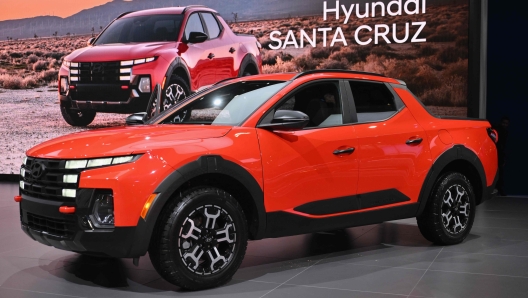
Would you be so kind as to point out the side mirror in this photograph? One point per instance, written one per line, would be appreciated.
(137, 119)
(90, 41)
(287, 120)
(197, 37)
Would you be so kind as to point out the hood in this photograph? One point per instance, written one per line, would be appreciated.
(119, 52)
(123, 140)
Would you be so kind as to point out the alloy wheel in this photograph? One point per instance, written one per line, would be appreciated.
(173, 94)
(207, 240)
(455, 209)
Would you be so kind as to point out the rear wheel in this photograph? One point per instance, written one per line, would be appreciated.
(200, 239)
(77, 117)
(450, 211)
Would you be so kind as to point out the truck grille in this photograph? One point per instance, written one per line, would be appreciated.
(45, 179)
(99, 72)
(52, 226)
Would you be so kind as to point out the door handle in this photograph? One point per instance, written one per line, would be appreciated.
(414, 141)
(211, 56)
(344, 151)
(232, 50)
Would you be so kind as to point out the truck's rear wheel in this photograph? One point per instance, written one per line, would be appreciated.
(77, 117)
(450, 211)
(200, 239)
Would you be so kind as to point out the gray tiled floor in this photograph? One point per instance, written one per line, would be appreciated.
(386, 260)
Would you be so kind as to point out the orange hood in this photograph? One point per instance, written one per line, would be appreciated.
(123, 140)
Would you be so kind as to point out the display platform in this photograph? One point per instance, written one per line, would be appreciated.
(391, 259)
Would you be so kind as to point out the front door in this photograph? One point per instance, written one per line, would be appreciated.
(224, 48)
(314, 171)
(199, 56)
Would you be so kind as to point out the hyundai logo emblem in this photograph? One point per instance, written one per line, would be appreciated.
(37, 170)
(97, 68)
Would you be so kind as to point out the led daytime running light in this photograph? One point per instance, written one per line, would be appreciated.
(137, 61)
(98, 162)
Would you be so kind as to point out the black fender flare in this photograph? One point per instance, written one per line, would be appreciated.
(177, 63)
(203, 165)
(457, 152)
(248, 60)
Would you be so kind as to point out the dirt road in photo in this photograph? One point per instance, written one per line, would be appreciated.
(30, 117)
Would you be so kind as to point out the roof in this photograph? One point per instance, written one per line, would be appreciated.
(329, 73)
(169, 10)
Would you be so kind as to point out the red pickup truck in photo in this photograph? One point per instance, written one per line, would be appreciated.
(181, 48)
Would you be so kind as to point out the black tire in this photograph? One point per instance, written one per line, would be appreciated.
(77, 117)
(193, 234)
(176, 90)
(248, 67)
(452, 194)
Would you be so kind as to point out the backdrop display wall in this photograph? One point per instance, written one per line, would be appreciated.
(432, 45)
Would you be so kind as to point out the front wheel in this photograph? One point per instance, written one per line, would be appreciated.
(177, 90)
(200, 239)
(450, 211)
(77, 117)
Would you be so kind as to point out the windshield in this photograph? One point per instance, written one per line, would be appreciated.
(148, 28)
(227, 105)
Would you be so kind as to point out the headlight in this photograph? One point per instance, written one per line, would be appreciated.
(103, 213)
(99, 162)
(66, 64)
(144, 84)
(64, 86)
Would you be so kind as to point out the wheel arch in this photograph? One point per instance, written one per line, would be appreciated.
(249, 61)
(456, 159)
(179, 68)
(217, 172)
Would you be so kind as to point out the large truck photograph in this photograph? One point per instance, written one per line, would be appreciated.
(183, 49)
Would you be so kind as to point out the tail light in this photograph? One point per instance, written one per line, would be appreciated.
(493, 134)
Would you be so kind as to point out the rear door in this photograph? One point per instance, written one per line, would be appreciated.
(392, 151)
(312, 171)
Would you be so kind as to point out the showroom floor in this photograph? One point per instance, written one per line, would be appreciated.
(385, 260)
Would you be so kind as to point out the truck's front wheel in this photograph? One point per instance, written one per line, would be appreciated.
(77, 117)
(200, 239)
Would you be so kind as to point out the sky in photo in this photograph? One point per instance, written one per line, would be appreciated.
(20, 9)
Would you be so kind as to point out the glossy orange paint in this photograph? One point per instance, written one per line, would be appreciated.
(471, 134)
(165, 148)
(386, 161)
(292, 168)
(300, 167)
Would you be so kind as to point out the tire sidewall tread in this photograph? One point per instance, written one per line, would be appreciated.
(430, 221)
(167, 261)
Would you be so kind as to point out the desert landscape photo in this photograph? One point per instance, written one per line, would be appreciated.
(435, 70)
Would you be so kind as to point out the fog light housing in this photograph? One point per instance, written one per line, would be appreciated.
(103, 214)
(144, 85)
(64, 85)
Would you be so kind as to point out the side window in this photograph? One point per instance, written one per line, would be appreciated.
(320, 101)
(212, 25)
(194, 24)
(374, 102)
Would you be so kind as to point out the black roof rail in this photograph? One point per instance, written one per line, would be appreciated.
(192, 6)
(304, 73)
(124, 14)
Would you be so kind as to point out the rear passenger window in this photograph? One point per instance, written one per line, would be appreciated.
(374, 102)
(212, 25)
